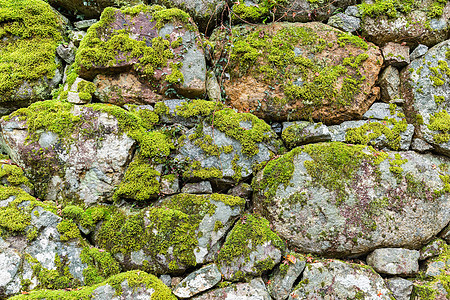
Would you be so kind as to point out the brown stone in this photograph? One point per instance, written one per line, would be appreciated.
(251, 91)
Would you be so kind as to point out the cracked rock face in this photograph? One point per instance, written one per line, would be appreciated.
(84, 163)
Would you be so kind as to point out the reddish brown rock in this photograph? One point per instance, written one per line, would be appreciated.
(294, 71)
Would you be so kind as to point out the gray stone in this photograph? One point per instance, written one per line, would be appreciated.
(73, 94)
(243, 190)
(202, 187)
(428, 93)
(432, 249)
(401, 288)
(302, 132)
(284, 277)
(434, 268)
(418, 52)
(258, 253)
(166, 279)
(395, 55)
(420, 145)
(389, 82)
(384, 111)
(87, 169)
(198, 281)
(414, 28)
(253, 290)
(353, 11)
(169, 185)
(388, 199)
(76, 36)
(398, 141)
(339, 280)
(345, 22)
(212, 87)
(394, 261)
(84, 24)
(67, 52)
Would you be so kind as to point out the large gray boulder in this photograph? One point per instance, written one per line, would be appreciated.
(252, 290)
(426, 87)
(69, 152)
(340, 280)
(337, 199)
(394, 261)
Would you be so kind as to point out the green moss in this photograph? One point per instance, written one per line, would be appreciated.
(294, 135)
(135, 279)
(389, 8)
(54, 116)
(395, 164)
(101, 265)
(95, 50)
(86, 218)
(272, 59)
(195, 170)
(250, 232)
(440, 122)
(254, 13)
(140, 182)
(68, 230)
(333, 166)
(438, 99)
(29, 35)
(14, 175)
(197, 108)
(370, 132)
(86, 89)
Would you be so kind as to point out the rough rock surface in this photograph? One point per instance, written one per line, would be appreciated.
(284, 277)
(81, 156)
(345, 22)
(433, 249)
(253, 290)
(201, 280)
(389, 82)
(335, 199)
(302, 132)
(395, 55)
(29, 34)
(176, 233)
(300, 71)
(291, 10)
(425, 86)
(401, 288)
(340, 280)
(167, 55)
(411, 27)
(250, 249)
(90, 9)
(394, 261)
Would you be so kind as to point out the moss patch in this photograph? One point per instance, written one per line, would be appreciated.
(101, 265)
(249, 230)
(29, 35)
(135, 279)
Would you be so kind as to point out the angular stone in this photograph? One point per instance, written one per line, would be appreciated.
(401, 288)
(302, 132)
(337, 199)
(389, 82)
(345, 22)
(380, 134)
(353, 11)
(425, 87)
(250, 249)
(415, 27)
(167, 56)
(432, 249)
(67, 52)
(84, 24)
(394, 261)
(202, 187)
(176, 233)
(384, 111)
(339, 280)
(395, 55)
(198, 281)
(169, 185)
(213, 88)
(418, 52)
(85, 162)
(420, 145)
(253, 290)
(257, 84)
(243, 190)
(283, 279)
